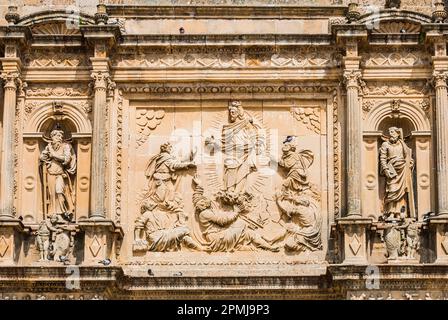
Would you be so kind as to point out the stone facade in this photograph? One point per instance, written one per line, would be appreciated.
(214, 148)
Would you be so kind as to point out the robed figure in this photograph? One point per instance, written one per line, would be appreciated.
(303, 221)
(58, 167)
(241, 143)
(162, 176)
(397, 165)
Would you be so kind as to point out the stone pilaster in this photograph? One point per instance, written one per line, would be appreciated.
(98, 170)
(11, 228)
(439, 222)
(441, 133)
(102, 237)
(354, 142)
(353, 226)
(11, 82)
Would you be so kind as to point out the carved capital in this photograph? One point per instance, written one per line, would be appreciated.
(353, 79)
(439, 79)
(11, 80)
(100, 80)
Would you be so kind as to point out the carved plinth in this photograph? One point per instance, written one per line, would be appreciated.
(102, 241)
(439, 230)
(11, 233)
(354, 239)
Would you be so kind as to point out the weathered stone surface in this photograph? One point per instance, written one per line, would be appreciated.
(189, 151)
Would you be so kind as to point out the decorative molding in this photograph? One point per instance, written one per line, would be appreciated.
(44, 59)
(395, 89)
(224, 58)
(119, 158)
(399, 57)
(212, 88)
(336, 154)
(57, 91)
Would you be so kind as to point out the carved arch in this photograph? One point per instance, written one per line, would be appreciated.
(407, 111)
(393, 21)
(70, 112)
(59, 18)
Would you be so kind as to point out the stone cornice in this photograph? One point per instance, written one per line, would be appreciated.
(225, 12)
(227, 40)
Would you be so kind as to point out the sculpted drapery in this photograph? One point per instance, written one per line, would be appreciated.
(58, 166)
(241, 143)
(396, 165)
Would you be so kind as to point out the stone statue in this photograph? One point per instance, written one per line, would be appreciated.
(412, 240)
(162, 224)
(241, 142)
(295, 200)
(224, 231)
(58, 168)
(396, 165)
(402, 239)
(55, 238)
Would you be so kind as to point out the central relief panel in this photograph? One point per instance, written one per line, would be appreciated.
(227, 180)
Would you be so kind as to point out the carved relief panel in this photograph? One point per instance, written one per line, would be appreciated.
(227, 176)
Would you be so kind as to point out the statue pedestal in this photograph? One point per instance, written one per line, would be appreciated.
(11, 234)
(354, 230)
(439, 233)
(102, 240)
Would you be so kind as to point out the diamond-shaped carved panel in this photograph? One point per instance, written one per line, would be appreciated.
(95, 246)
(3, 246)
(355, 244)
(445, 243)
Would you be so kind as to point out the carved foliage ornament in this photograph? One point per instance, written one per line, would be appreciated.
(58, 91)
(439, 79)
(399, 88)
(353, 79)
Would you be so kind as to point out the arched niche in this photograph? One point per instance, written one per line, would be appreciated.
(417, 130)
(78, 131)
